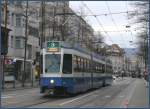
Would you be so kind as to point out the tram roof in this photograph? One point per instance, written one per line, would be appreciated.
(81, 49)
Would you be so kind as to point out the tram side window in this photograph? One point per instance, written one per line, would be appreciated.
(88, 66)
(85, 65)
(75, 63)
(67, 64)
(79, 64)
(91, 66)
(97, 68)
(106, 69)
(103, 68)
(100, 68)
(82, 64)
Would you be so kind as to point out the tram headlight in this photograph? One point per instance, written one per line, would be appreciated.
(52, 81)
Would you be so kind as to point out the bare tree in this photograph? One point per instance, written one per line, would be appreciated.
(140, 19)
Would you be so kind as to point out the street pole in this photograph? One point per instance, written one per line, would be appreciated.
(105, 61)
(1, 76)
(26, 38)
(54, 14)
(42, 39)
(148, 48)
(5, 37)
(63, 29)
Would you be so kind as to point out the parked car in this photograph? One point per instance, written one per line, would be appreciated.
(114, 77)
(133, 75)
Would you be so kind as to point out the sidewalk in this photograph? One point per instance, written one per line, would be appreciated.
(140, 97)
(136, 95)
(18, 86)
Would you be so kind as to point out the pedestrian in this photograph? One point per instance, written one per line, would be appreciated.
(146, 77)
(122, 74)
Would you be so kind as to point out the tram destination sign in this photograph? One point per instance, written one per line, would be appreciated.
(53, 46)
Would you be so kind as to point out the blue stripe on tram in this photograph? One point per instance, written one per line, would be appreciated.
(73, 84)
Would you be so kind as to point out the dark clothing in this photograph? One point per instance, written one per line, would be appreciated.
(145, 75)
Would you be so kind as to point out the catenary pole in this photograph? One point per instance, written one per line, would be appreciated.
(5, 38)
(0, 63)
(26, 38)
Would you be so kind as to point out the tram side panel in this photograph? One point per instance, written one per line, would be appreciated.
(108, 77)
(80, 74)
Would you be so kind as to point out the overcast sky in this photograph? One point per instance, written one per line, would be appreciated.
(112, 24)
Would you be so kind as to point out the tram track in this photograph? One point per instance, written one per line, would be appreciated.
(79, 100)
(102, 101)
(100, 96)
(30, 103)
(37, 103)
(87, 94)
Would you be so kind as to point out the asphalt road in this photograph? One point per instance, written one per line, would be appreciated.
(122, 93)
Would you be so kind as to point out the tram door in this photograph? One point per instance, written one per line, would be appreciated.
(67, 64)
(91, 69)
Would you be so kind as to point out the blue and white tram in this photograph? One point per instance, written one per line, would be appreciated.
(72, 70)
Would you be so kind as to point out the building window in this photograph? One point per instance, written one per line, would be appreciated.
(33, 31)
(12, 41)
(23, 43)
(18, 42)
(18, 20)
(23, 23)
(29, 49)
(2, 14)
(12, 19)
(18, 3)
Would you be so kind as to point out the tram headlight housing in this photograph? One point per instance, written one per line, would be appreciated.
(51, 81)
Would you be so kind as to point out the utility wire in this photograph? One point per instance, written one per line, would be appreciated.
(114, 22)
(128, 20)
(98, 22)
(107, 14)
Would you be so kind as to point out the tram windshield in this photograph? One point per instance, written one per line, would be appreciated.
(52, 63)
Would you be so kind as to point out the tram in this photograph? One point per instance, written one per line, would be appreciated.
(71, 69)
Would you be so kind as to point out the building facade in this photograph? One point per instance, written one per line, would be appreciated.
(16, 20)
(116, 55)
(46, 21)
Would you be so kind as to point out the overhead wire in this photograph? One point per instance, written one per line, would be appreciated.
(128, 20)
(98, 22)
(107, 14)
(107, 5)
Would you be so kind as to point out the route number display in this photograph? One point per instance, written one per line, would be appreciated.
(53, 46)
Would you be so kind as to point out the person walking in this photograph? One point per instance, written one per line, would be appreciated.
(122, 72)
(146, 77)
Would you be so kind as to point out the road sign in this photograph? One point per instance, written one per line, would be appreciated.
(53, 46)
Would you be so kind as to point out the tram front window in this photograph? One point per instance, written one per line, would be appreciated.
(52, 63)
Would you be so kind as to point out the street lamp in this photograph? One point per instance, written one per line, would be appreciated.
(26, 36)
(128, 26)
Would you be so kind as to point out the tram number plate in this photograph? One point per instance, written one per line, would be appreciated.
(53, 46)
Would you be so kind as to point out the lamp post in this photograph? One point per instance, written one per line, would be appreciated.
(1, 72)
(5, 45)
(26, 38)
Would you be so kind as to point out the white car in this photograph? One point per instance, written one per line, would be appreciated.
(114, 77)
